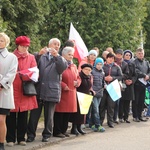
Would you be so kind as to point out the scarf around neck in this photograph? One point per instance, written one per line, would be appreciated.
(19, 54)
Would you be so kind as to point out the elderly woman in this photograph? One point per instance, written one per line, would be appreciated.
(17, 121)
(85, 87)
(8, 68)
(128, 93)
(68, 103)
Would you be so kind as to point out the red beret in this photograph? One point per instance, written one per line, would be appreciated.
(23, 41)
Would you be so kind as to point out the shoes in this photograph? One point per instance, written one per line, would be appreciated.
(111, 125)
(30, 139)
(99, 129)
(136, 120)
(127, 121)
(10, 144)
(80, 130)
(23, 143)
(60, 135)
(94, 128)
(141, 119)
(66, 134)
(45, 139)
(121, 120)
(116, 122)
(74, 130)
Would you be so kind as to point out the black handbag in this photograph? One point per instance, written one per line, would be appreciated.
(29, 88)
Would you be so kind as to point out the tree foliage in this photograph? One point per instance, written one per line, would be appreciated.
(147, 31)
(102, 23)
(24, 18)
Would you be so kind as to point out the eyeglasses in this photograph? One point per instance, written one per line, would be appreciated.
(127, 55)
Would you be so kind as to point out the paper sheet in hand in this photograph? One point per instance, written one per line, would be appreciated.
(142, 81)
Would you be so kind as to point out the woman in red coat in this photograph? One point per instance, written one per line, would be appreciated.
(17, 120)
(68, 102)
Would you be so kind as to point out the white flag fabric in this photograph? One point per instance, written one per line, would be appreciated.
(114, 90)
(31, 73)
(81, 50)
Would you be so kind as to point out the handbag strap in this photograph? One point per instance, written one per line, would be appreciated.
(19, 74)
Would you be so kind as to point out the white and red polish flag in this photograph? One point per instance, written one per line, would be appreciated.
(81, 50)
(30, 74)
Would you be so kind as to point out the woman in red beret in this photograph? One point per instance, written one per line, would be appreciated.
(17, 120)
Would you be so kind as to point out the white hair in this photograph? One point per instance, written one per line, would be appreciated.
(67, 49)
(54, 39)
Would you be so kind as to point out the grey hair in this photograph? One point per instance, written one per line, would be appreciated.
(67, 49)
(54, 39)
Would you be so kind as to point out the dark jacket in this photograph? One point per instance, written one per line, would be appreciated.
(113, 70)
(128, 93)
(86, 83)
(49, 85)
(142, 68)
(98, 81)
(125, 70)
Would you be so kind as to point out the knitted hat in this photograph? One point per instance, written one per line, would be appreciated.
(128, 51)
(23, 41)
(119, 51)
(86, 65)
(92, 52)
(99, 60)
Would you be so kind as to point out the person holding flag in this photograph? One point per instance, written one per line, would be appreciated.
(112, 71)
(85, 87)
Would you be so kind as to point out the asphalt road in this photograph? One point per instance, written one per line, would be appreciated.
(133, 136)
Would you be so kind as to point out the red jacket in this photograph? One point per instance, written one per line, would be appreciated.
(68, 102)
(22, 102)
(85, 61)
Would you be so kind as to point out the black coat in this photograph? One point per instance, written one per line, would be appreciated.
(86, 83)
(128, 94)
(85, 87)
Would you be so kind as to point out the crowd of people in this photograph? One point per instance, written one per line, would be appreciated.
(59, 80)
